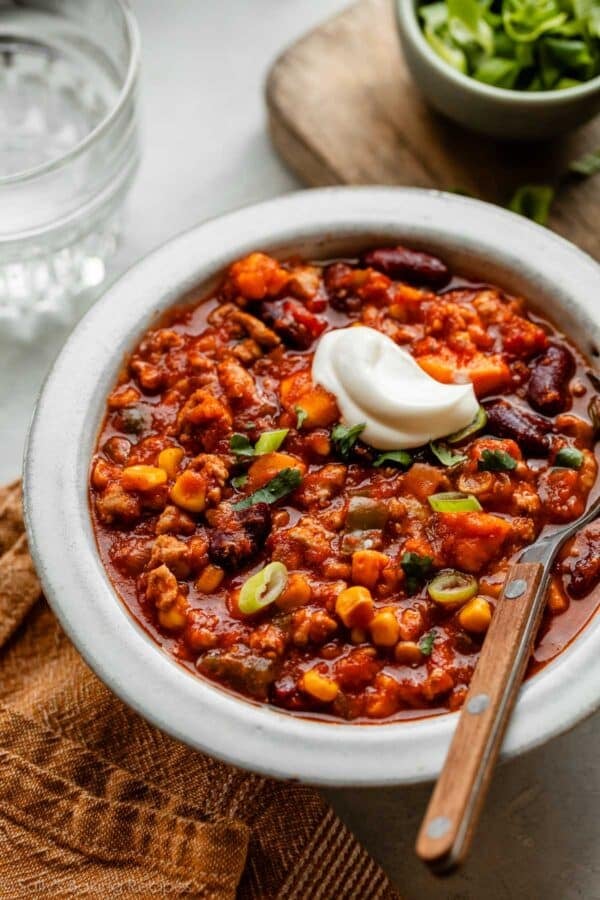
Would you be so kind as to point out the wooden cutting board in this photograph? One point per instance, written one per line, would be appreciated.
(343, 109)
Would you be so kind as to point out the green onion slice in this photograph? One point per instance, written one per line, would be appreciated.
(534, 201)
(479, 422)
(450, 587)
(270, 441)
(263, 588)
(454, 502)
(569, 458)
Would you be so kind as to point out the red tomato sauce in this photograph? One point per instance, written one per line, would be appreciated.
(186, 510)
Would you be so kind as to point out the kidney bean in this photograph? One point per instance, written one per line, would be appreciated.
(548, 389)
(118, 449)
(529, 430)
(232, 547)
(339, 279)
(409, 265)
(583, 563)
(296, 325)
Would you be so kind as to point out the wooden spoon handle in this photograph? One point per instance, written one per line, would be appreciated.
(447, 830)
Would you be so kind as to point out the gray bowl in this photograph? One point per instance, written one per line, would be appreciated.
(498, 112)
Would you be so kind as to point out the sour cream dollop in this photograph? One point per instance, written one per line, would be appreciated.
(377, 382)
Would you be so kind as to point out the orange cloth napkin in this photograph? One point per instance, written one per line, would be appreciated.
(95, 802)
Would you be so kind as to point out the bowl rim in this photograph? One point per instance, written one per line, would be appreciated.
(408, 22)
(58, 452)
(125, 93)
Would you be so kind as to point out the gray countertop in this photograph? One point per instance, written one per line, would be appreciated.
(206, 151)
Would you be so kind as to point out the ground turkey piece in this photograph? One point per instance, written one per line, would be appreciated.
(240, 669)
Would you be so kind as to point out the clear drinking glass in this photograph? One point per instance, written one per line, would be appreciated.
(68, 150)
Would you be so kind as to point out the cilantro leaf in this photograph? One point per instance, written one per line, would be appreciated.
(446, 456)
(282, 484)
(426, 643)
(416, 568)
(301, 415)
(240, 445)
(496, 461)
(345, 437)
(394, 457)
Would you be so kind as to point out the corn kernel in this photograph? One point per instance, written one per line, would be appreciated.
(142, 478)
(174, 617)
(384, 628)
(358, 635)
(476, 615)
(209, 579)
(319, 687)
(408, 653)
(384, 701)
(189, 491)
(297, 592)
(558, 602)
(354, 606)
(367, 566)
(169, 460)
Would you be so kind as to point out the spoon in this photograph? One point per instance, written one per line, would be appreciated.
(447, 830)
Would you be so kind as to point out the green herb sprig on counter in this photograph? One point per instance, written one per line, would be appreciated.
(524, 45)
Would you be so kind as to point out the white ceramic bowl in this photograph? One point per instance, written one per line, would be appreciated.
(476, 239)
(498, 112)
